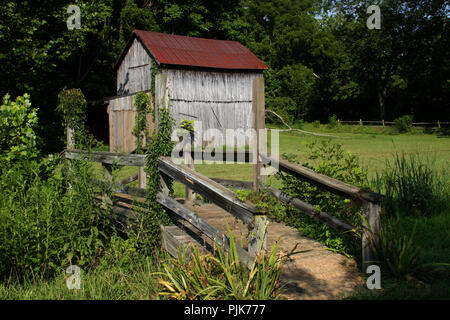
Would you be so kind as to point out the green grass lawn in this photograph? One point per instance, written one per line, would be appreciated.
(374, 148)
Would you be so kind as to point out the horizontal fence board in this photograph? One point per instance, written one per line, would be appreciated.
(237, 184)
(321, 180)
(392, 122)
(137, 160)
(299, 171)
(211, 190)
(314, 213)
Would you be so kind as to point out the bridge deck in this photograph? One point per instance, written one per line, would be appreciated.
(317, 274)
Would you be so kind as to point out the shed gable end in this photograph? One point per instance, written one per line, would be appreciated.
(134, 72)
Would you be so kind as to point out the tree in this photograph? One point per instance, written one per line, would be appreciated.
(382, 58)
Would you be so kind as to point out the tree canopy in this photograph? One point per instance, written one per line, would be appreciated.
(322, 58)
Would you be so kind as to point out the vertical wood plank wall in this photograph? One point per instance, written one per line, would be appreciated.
(122, 116)
(220, 100)
(134, 73)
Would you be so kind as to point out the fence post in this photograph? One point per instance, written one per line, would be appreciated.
(142, 178)
(259, 126)
(69, 135)
(360, 122)
(108, 177)
(382, 122)
(439, 124)
(189, 162)
(370, 235)
(257, 239)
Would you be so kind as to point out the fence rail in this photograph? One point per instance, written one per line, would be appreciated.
(383, 123)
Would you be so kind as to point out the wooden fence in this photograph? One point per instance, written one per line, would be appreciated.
(383, 123)
(215, 191)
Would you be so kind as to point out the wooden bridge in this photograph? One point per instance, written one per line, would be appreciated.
(317, 274)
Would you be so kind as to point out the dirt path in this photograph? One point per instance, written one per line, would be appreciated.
(318, 274)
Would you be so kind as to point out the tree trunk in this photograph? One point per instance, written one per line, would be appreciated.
(382, 102)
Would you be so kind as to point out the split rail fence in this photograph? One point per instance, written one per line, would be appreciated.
(383, 123)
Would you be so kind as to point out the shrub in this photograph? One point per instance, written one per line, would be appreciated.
(404, 123)
(332, 121)
(72, 107)
(299, 124)
(399, 253)
(17, 137)
(328, 159)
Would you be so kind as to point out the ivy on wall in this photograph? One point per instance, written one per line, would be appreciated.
(141, 130)
(158, 143)
(72, 107)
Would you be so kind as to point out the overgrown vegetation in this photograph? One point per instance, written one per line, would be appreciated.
(413, 186)
(416, 190)
(413, 252)
(18, 121)
(50, 218)
(196, 275)
(327, 158)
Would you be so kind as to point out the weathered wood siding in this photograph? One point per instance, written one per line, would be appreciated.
(220, 100)
(134, 73)
(122, 116)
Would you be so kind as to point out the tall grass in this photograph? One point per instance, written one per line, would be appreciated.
(413, 186)
(44, 225)
(198, 276)
(415, 193)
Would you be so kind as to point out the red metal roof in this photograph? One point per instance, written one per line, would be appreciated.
(171, 49)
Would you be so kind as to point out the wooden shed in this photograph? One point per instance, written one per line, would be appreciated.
(207, 80)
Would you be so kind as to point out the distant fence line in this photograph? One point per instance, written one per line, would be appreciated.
(383, 123)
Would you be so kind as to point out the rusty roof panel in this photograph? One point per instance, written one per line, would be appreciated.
(199, 52)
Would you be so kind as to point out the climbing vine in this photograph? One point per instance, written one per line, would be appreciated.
(154, 71)
(140, 130)
(72, 107)
(158, 144)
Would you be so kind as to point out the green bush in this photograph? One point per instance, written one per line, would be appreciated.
(403, 124)
(18, 121)
(332, 121)
(400, 254)
(329, 159)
